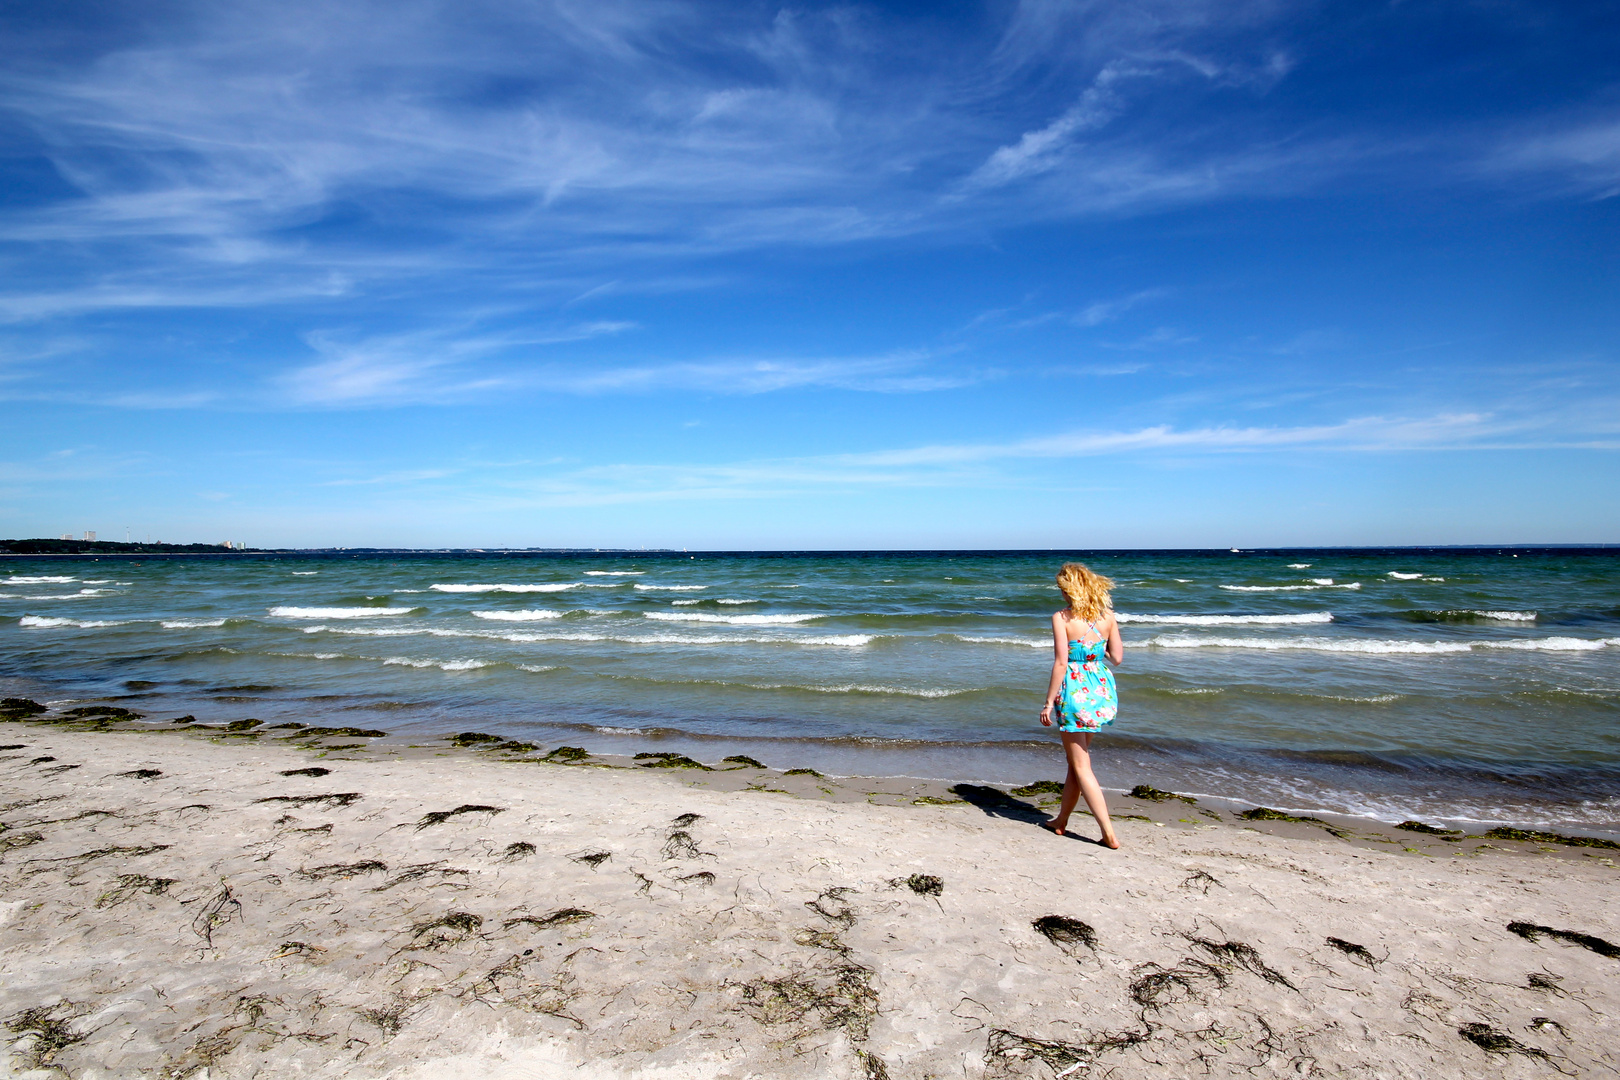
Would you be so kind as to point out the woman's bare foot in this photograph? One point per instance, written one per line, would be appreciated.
(1053, 827)
(1110, 841)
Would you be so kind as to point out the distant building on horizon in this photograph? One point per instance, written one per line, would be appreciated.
(90, 535)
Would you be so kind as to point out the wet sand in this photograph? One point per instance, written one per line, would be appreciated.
(186, 902)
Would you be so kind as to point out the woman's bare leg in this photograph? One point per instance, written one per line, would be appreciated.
(1082, 783)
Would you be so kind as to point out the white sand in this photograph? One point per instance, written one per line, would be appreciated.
(804, 955)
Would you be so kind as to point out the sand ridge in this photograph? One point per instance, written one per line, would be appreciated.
(182, 906)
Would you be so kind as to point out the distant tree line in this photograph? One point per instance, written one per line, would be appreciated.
(103, 547)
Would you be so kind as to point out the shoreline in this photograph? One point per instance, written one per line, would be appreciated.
(334, 904)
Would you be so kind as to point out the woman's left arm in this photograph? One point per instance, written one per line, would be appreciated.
(1116, 647)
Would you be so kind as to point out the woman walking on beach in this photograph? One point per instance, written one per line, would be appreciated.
(1082, 687)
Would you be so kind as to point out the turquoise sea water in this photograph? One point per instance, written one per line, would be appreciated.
(1471, 686)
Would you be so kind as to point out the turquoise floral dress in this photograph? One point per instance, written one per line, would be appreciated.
(1087, 700)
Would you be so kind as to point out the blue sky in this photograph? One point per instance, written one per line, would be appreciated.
(758, 276)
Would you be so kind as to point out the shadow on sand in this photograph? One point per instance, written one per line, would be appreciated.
(998, 803)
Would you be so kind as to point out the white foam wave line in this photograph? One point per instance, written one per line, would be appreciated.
(46, 622)
(733, 602)
(452, 588)
(1299, 566)
(190, 624)
(1289, 588)
(628, 639)
(538, 668)
(1506, 616)
(669, 588)
(1380, 646)
(1228, 620)
(533, 615)
(1398, 576)
(1321, 581)
(614, 573)
(338, 612)
(38, 579)
(1001, 641)
(99, 581)
(305, 573)
(686, 603)
(80, 595)
(863, 688)
(730, 620)
(442, 665)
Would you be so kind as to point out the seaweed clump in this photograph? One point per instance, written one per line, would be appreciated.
(1358, 953)
(1244, 956)
(921, 884)
(439, 817)
(1426, 830)
(522, 849)
(567, 755)
(344, 870)
(1536, 836)
(473, 738)
(128, 885)
(143, 774)
(1533, 931)
(333, 732)
(313, 770)
(1152, 794)
(804, 772)
(1039, 787)
(445, 930)
(16, 708)
(1066, 933)
(1266, 813)
(592, 859)
(47, 1033)
(1062, 1058)
(743, 761)
(560, 917)
(670, 761)
(1492, 1041)
(338, 798)
(111, 712)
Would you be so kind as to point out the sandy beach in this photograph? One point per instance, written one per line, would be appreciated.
(186, 902)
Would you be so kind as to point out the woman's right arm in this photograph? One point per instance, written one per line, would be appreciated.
(1060, 657)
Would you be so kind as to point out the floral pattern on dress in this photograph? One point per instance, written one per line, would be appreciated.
(1087, 700)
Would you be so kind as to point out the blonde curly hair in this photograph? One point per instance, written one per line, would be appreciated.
(1087, 592)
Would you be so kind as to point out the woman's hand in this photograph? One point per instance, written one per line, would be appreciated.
(1046, 715)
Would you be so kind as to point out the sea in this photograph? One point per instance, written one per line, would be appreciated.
(1470, 687)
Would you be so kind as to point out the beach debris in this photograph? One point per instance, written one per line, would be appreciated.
(14, 746)
(111, 711)
(686, 820)
(15, 708)
(46, 1033)
(242, 725)
(521, 849)
(1492, 1041)
(593, 859)
(344, 870)
(702, 877)
(276, 727)
(513, 747)
(9, 840)
(390, 1021)
(188, 719)
(1543, 980)
(1243, 955)
(474, 738)
(567, 755)
(1202, 880)
(1358, 953)
(1039, 787)
(680, 845)
(1266, 813)
(667, 760)
(1006, 1048)
(1538, 837)
(1533, 932)
(1545, 1024)
(921, 884)
(422, 870)
(107, 852)
(439, 817)
(1066, 933)
(297, 948)
(60, 768)
(1149, 793)
(221, 909)
(447, 929)
(842, 998)
(821, 939)
(743, 761)
(127, 885)
(1159, 987)
(1427, 830)
(825, 905)
(804, 772)
(560, 917)
(142, 774)
(41, 760)
(875, 1069)
(338, 732)
(313, 770)
(334, 799)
